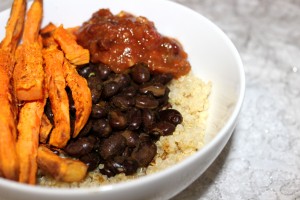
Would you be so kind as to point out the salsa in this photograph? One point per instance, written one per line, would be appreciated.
(123, 40)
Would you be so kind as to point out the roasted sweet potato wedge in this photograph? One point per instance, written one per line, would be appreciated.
(33, 22)
(14, 26)
(62, 169)
(54, 60)
(28, 74)
(73, 52)
(45, 129)
(28, 80)
(47, 36)
(81, 95)
(28, 139)
(9, 164)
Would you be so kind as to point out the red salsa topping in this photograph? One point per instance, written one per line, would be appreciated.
(122, 40)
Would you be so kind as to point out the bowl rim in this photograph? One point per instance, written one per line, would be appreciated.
(228, 126)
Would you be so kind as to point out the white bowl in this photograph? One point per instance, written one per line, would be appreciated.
(213, 58)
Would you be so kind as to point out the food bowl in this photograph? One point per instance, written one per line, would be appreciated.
(213, 58)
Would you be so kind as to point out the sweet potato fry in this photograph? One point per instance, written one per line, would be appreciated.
(28, 74)
(33, 22)
(9, 165)
(81, 95)
(45, 129)
(62, 169)
(73, 30)
(54, 59)
(73, 52)
(14, 25)
(28, 79)
(8, 156)
(48, 29)
(47, 36)
(28, 139)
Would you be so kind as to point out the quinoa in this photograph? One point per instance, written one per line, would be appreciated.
(189, 95)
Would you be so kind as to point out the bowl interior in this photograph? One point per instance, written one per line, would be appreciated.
(212, 55)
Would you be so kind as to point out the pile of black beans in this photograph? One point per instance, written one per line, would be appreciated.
(130, 112)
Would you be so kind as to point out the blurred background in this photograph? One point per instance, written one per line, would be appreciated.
(262, 159)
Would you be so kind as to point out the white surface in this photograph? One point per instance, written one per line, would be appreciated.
(262, 159)
(5, 4)
(213, 58)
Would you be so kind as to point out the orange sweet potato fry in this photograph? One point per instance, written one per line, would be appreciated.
(47, 36)
(14, 26)
(33, 22)
(73, 52)
(62, 169)
(60, 134)
(73, 30)
(28, 139)
(48, 29)
(28, 74)
(81, 95)
(8, 156)
(45, 129)
(9, 165)
(28, 80)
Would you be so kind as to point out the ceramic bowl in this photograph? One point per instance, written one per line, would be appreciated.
(213, 58)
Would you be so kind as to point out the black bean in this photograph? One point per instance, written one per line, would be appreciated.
(123, 126)
(96, 145)
(122, 79)
(162, 128)
(86, 129)
(95, 95)
(125, 165)
(104, 71)
(157, 89)
(170, 115)
(112, 146)
(140, 73)
(117, 119)
(144, 137)
(123, 102)
(101, 128)
(91, 159)
(144, 153)
(80, 146)
(127, 152)
(95, 85)
(146, 101)
(148, 118)
(87, 70)
(130, 166)
(130, 91)
(134, 117)
(108, 170)
(119, 165)
(162, 78)
(164, 100)
(131, 137)
(110, 89)
(99, 110)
